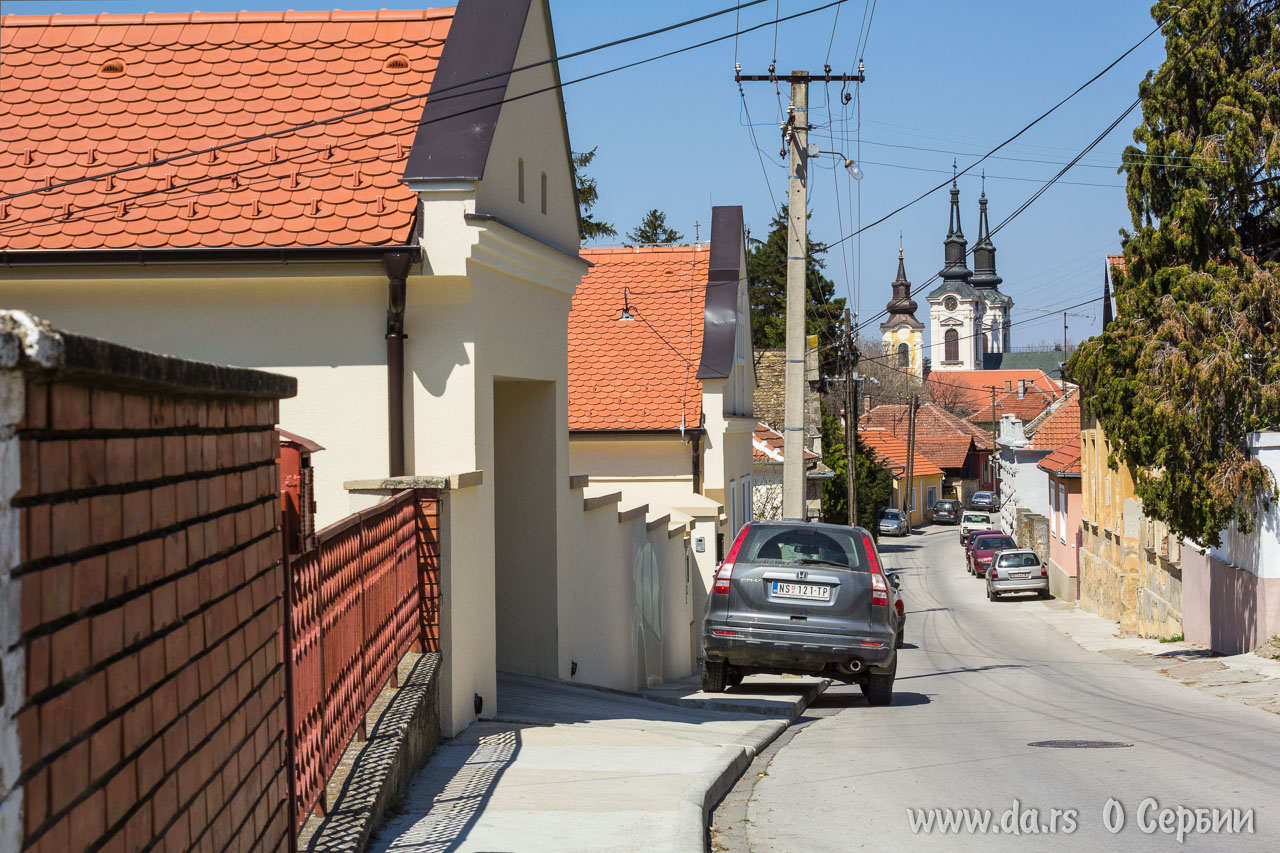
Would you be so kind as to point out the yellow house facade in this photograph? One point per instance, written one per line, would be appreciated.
(1130, 565)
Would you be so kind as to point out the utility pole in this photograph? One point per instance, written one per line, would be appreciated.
(995, 481)
(796, 137)
(1064, 335)
(851, 419)
(912, 407)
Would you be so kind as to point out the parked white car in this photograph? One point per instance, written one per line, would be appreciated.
(971, 521)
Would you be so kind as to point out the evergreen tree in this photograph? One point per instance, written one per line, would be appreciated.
(590, 227)
(767, 273)
(875, 484)
(1191, 365)
(653, 231)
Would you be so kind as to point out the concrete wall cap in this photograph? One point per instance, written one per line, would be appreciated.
(446, 482)
(599, 501)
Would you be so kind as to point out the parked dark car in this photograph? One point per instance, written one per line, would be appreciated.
(984, 549)
(984, 500)
(946, 512)
(802, 598)
(1017, 571)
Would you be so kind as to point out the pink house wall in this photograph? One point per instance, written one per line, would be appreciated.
(1228, 609)
(1063, 554)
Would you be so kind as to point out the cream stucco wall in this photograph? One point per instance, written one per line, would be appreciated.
(532, 129)
(655, 470)
(321, 323)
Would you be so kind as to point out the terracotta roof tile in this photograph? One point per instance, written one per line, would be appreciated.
(1027, 407)
(767, 442)
(972, 388)
(193, 81)
(1063, 461)
(894, 451)
(638, 374)
(941, 437)
(1057, 426)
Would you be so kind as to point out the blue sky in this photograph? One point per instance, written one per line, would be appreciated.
(953, 78)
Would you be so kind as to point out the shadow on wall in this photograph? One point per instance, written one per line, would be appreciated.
(1233, 609)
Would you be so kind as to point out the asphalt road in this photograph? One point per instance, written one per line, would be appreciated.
(977, 684)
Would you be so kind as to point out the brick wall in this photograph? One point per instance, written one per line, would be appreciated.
(149, 584)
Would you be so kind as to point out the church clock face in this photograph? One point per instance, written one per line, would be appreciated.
(950, 303)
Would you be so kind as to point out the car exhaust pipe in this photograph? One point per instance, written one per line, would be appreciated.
(853, 667)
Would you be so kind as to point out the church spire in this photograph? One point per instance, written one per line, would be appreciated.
(984, 251)
(955, 245)
(902, 308)
(1106, 296)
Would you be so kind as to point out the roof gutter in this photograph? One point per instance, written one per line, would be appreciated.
(640, 433)
(157, 257)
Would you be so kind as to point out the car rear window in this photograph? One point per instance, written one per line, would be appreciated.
(945, 505)
(978, 517)
(796, 544)
(994, 543)
(1019, 561)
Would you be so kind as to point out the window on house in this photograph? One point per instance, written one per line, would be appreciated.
(904, 355)
(520, 179)
(1062, 508)
(1053, 511)
(931, 496)
(733, 508)
(985, 343)
(951, 346)
(544, 192)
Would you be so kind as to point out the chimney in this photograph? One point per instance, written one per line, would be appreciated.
(1011, 432)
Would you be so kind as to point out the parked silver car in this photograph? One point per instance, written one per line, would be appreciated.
(1019, 570)
(893, 521)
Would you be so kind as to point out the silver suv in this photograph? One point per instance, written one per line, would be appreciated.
(794, 597)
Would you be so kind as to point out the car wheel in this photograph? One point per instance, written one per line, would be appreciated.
(992, 595)
(879, 688)
(1044, 594)
(897, 644)
(713, 676)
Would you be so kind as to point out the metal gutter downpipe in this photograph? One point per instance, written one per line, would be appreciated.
(397, 266)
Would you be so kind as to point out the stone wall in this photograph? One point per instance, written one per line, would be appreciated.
(1133, 575)
(1031, 530)
(148, 582)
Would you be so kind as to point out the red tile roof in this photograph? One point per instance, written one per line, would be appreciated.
(972, 388)
(766, 445)
(197, 81)
(1116, 261)
(894, 451)
(1029, 407)
(638, 374)
(1058, 426)
(1065, 461)
(941, 437)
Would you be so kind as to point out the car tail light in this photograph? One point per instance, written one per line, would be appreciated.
(1044, 570)
(992, 573)
(725, 573)
(879, 586)
(899, 607)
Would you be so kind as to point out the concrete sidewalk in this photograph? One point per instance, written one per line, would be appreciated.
(571, 768)
(1247, 678)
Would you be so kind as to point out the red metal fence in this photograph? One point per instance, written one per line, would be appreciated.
(358, 601)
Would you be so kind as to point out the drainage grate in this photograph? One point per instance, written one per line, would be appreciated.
(1080, 744)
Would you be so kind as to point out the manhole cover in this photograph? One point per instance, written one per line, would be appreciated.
(1080, 744)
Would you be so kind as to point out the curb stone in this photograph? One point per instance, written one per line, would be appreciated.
(712, 785)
